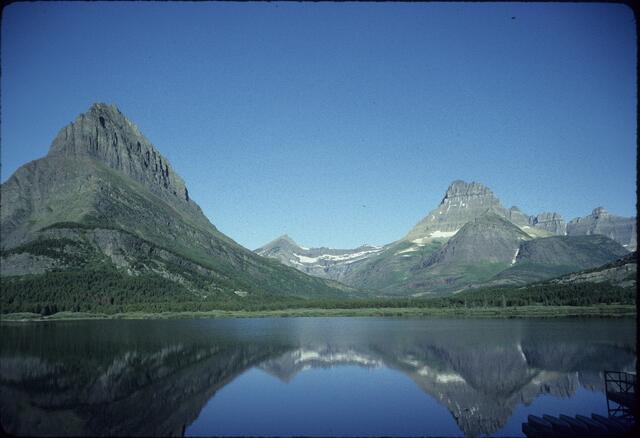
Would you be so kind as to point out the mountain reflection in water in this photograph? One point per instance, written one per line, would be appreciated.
(155, 377)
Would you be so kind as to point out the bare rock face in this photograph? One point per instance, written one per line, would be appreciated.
(462, 203)
(103, 133)
(515, 215)
(552, 222)
(600, 221)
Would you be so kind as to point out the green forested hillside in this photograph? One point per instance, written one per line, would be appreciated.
(105, 289)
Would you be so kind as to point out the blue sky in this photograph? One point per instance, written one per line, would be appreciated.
(341, 123)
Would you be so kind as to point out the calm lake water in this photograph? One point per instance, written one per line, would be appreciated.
(298, 376)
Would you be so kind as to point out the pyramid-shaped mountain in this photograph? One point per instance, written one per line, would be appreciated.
(106, 204)
(463, 202)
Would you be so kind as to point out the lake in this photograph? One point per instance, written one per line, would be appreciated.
(305, 376)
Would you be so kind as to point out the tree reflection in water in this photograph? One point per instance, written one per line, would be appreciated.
(154, 377)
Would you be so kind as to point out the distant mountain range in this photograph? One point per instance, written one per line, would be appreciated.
(103, 219)
(469, 239)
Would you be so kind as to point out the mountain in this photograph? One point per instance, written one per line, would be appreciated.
(600, 221)
(489, 237)
(104, 207)
(321, 262)
(420, 264)
(463, 202)
(484, 246)
(468, 239)
(550, 257)
(551, 222)
(621, 273)
(391, 268)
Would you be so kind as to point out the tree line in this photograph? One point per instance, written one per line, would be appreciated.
(111, 291)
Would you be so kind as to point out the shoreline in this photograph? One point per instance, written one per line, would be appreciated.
(610, 311)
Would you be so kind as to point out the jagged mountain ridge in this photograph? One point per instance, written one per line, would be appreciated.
(429, 258)
(104, 196)
(106, 135)
(600, 221)
(464, 202)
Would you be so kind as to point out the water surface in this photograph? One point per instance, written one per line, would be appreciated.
(305, 376)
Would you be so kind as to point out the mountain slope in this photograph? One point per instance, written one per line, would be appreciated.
(611, 283)
(550, 257)
(484, 246)
(104, 199)
(600, 221)
(621, 272)
(488, 237)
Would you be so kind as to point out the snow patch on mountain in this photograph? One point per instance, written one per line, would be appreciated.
(513, 260)
(345, 258)
(410, 249)
(439, 233)
(440, 376)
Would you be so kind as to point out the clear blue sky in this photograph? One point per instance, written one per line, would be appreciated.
(341, 124)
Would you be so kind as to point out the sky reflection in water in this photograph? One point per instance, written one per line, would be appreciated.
(320, 376)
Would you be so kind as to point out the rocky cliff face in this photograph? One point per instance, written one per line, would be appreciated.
(461, 203)
(103, 133)
(515, 215)
(464, 202)
(551, 222)
(600, 221)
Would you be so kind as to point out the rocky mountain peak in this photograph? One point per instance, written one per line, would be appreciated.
(600, 221)
(279, 244)
(460, 190)
(104, 134)
(552, 222)
(462, 202)
(286, 240)
(599, 212)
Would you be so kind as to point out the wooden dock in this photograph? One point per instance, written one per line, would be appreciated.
(620, 388)
(548, 426)
(621, 406)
